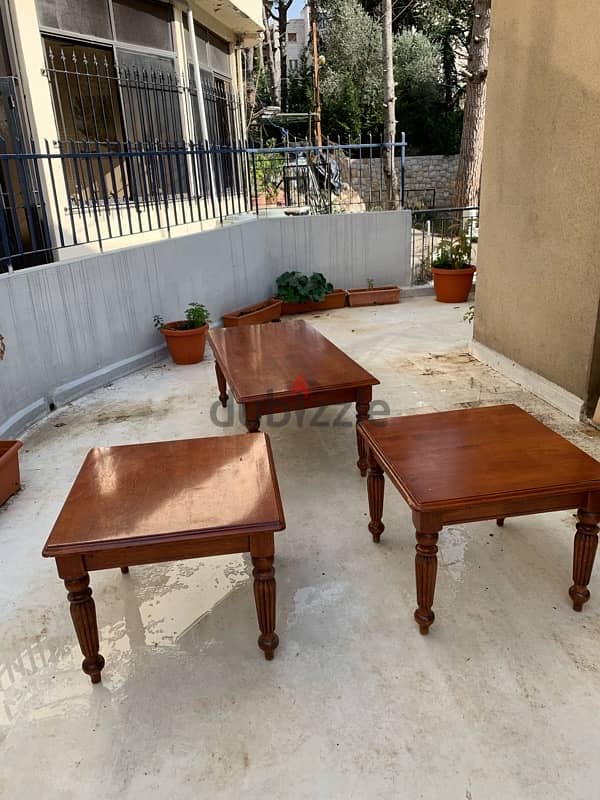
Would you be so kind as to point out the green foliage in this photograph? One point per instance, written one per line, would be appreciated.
(352, 77)
(424, 67)
(268, 171)
(294, 287)
(469, 314)
(453, 253)
(196, 315)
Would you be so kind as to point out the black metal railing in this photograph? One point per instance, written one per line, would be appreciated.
(82, 192)
(434, 228)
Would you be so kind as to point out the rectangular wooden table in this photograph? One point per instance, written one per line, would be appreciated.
(287, 367)
(166, 501)
(479, 464)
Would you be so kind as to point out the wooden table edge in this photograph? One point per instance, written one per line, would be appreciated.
(440, 506)
(206, 534)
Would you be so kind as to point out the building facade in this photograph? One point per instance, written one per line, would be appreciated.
(538, 281)
(114, 74)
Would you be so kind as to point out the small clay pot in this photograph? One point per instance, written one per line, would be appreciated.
(452, 285)
(185, 346)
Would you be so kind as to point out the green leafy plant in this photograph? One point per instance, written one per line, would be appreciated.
(469, 314)
(370, 283)
(294, 287)
(196, 316)
(453, 253)
(268, 171)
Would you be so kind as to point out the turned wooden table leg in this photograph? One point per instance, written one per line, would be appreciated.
(375, 488)
(252, 418)
(222, 384)
(584, 551)
(500, 522)
(426, 571)
(363, 401)
(83, 614)
(125, 570)
(262, 552)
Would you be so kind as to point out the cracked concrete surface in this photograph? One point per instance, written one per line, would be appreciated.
(502, 700)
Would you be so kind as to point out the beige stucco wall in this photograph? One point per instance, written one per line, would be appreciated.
(538, 283)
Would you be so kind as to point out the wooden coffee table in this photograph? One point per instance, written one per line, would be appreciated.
(478, 464)
(166, 501)
(288, 366)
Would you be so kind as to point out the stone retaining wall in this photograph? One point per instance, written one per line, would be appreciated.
(429, 180)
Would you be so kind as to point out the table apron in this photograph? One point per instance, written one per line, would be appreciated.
(155, 553)
(516, 507)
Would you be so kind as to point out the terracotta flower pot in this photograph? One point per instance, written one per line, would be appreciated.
(10, 479)
(452, 285)
(185, 346)
(335, 299)
(377, 296)
(257, 314)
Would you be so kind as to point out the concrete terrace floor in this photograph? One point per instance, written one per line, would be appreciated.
(502, 700)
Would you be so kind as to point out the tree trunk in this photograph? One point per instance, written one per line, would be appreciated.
(283, 71)
(389, 103)
(471, 147)
(273, 83)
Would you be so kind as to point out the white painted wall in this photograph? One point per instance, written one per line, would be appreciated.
(75, 325)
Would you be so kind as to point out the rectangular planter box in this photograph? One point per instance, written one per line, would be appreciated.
(335, 299)
(10, 479)
(267, 311)
(377, 296)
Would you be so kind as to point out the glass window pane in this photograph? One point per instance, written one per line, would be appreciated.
(83, 16)
(142, 22)
(218, 54)
(150, 92)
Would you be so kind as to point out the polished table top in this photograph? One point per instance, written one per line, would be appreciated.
(455, 457)
(282, 359)
(163, 491)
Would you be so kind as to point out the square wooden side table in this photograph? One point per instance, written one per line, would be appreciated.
(166, 501)
(478, 464)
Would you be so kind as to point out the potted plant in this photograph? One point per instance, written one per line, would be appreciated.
(373, 295)
(266, 311)
(186, 338)
(301, 293)
(452, 270)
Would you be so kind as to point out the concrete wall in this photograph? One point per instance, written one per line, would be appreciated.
(347, 248)
(72, 326)
(538, 281)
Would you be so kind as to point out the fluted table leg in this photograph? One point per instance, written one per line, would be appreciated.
(83, 614)
(375, 489)
(584, 551)
(265, 590)
(426, 573)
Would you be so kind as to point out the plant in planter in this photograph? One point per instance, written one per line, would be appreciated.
(186, 338)
(267, 311)
(307, 293)
(373, 295)
(452, 269)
